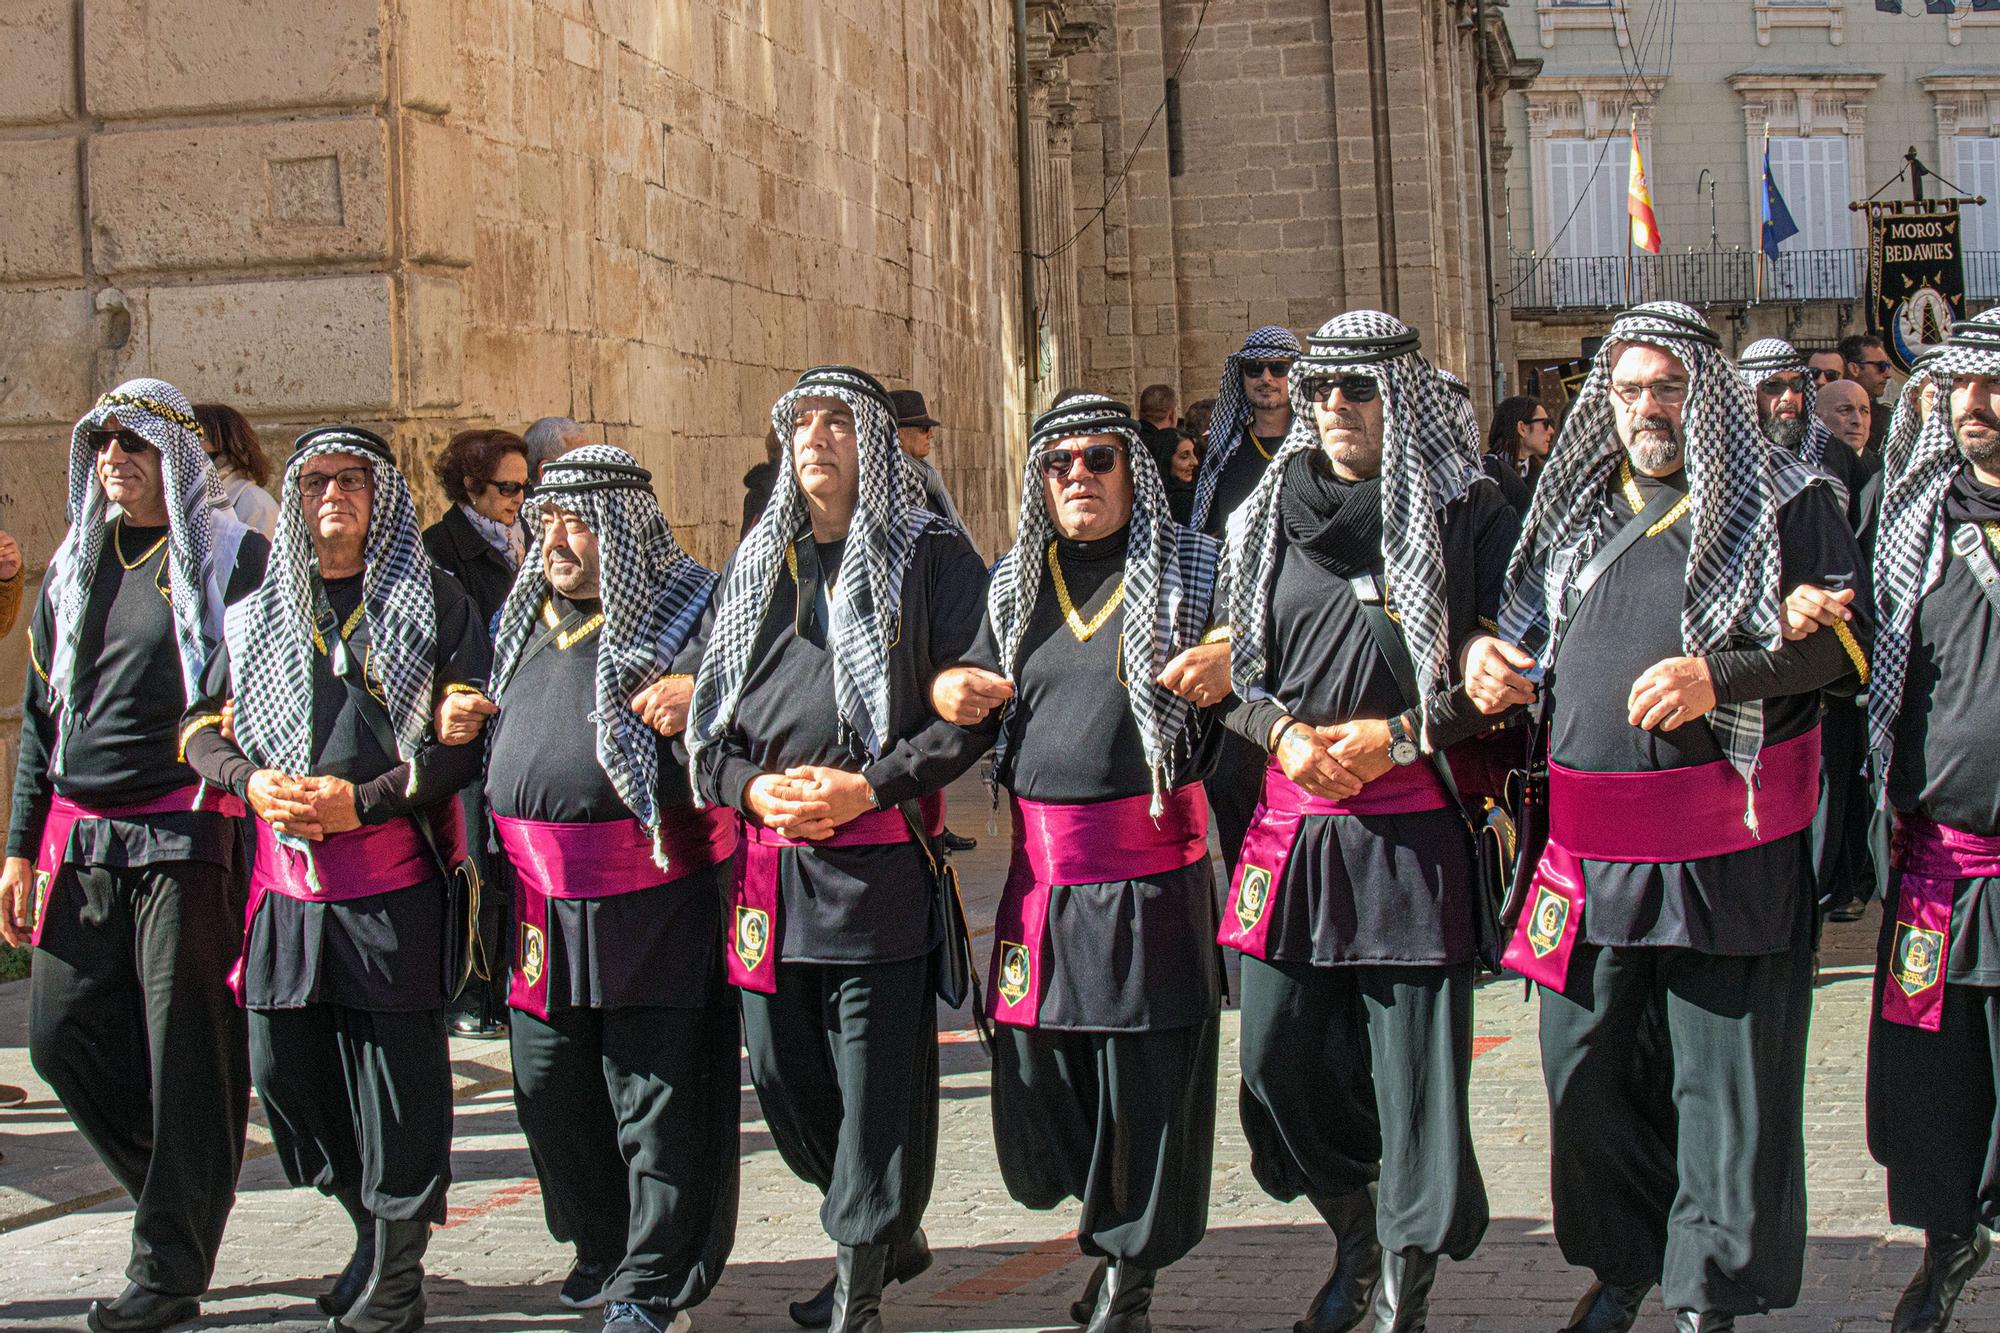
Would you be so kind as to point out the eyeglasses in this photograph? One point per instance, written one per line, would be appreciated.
(1353, 388)
(1665, 392)
(510, 489)
(1277, 370)
(313, 485)
(130, 441)
(1098, 459)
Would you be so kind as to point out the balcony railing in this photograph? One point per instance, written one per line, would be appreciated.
(1709, 277)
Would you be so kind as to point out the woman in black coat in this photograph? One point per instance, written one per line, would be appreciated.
(1516, 447)
(480, 542)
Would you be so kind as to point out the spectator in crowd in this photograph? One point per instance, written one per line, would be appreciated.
(916, 432)
(480, 541)
(1194, 423)
(1157, 430)
(758, 481)
(1826, 365)
(238, 455)
(1847, 413)
(1516, 446)
(13, 577)
(549, 438)
(1866, 361)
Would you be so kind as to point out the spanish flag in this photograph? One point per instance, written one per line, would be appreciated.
(1639, 202)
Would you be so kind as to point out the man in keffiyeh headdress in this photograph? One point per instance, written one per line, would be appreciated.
(1252, 417)
(1683, 749)
(624, 1035)
(1932, 1078)
(1103, 978)
(120, 867)
(812, 717)
(335, 666)
(1788, 413)
(1366, 556)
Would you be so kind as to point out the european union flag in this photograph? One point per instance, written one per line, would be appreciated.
(1778, 224)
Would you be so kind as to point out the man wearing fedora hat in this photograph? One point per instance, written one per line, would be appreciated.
(916, 432)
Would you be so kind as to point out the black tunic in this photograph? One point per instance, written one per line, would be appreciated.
(1130, 955)
(1376, 888)
(388, 951)
(659, 944)
(123, 745)
(855, 904)
(1745, 902)
(1240, 476)
(1946, 766)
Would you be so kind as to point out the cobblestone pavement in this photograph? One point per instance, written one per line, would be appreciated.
(999, 1266)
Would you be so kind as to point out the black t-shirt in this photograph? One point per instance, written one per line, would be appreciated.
(1240, 476)
(1946, 764)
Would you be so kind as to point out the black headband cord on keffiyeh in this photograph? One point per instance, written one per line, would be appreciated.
(653, 594)
(866, 603)
(203, 535)
(1737, 482)
(1170, 577)
(1768, 358)
(270, 632)
(1230, 420)
(1920, 457)
(1429, 458)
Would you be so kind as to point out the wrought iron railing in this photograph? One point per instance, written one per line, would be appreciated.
(1700, 278)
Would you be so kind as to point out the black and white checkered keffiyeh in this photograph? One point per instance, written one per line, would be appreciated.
(866, 602)
(1737, 482)
(1768, 358)
(653, 594)
(1170, 576)
(270, 632)
(1429, 458)
(1231, 417)
(1920, 459)
(202, 536)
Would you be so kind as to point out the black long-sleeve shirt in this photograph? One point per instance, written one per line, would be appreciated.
(1743, 903)
(854, 904)
(122, 746)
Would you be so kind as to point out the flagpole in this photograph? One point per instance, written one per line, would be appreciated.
(1763, 207)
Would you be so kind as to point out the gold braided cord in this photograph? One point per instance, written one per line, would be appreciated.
(1077, 625)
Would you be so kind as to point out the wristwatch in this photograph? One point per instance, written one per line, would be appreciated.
(1402, 749)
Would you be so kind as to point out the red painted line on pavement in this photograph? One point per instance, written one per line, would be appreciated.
(504, 1197)
(1481, 1045)
(1017, 1271)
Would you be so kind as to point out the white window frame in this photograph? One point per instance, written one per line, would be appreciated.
(1967, 105)
(1827, 14)
(1803, 105)
(1584, 15)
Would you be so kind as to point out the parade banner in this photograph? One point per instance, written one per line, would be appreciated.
(1916, 280)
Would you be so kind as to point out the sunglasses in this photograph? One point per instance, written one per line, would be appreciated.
(1540, 421)
(1277, 370)
(1353, 388)
(1823, 375)
(510, 489)
(1098, 459)
(130, 441)
(349, 479)
(1875, 365)
(1781, 385)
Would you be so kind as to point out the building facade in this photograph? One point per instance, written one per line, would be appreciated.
(1838, 89)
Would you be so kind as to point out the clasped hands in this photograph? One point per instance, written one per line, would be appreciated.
(809, 802)
(312, 808)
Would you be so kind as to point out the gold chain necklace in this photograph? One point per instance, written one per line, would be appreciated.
(1258, 444)
(1630, 485)
(570, 637)
(118, 545)
(1076, 623)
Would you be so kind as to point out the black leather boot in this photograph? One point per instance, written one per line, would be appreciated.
(1607, 1309)
(1949, 1263)
(858, 1274)
(1694, 1321)
(1403, 1296)
(912, 1257)
(584, 1287)
(1125, 1302)
(339, 1298)
(140, 1309)
(393, 1300)
(1085, 1305)
(1343, 1300)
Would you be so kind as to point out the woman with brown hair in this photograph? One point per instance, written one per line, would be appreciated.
(481, 542)
(232, 445)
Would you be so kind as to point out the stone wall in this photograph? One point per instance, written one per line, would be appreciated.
(429, 214)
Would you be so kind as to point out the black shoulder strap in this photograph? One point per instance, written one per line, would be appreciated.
(1971, 544)
(1612, 551)
(1389, 641)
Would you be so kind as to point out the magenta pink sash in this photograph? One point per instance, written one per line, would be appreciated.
(752, 957)
(595, 860)
(1674, 814)
(1096, 843)
(1931, 859)
(64, 815)
(1406, 789)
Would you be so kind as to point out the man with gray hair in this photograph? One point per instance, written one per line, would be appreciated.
(549, 438)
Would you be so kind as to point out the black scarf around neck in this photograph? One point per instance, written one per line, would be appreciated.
(1970, 500)
(1336, 524)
